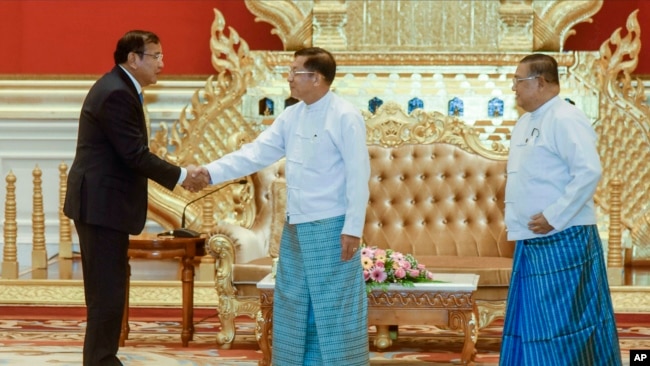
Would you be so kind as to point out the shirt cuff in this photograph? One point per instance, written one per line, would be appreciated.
(183, 175)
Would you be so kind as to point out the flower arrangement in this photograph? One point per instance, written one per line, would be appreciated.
(382, 267)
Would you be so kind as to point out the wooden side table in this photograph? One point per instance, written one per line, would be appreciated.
(449, 303)
(151, 246)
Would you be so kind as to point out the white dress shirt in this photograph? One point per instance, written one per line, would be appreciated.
(327, 165)
(553, 168)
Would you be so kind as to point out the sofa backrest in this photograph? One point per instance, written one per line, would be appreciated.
(434, 188)
(436, 199)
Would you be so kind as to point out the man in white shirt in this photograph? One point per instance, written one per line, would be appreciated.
(320, 303)
(559, 309)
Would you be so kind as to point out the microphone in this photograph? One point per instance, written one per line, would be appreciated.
(183, 232)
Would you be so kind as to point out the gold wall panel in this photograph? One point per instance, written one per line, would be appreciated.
(424, 26)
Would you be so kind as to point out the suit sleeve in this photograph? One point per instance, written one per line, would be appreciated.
(126, 131)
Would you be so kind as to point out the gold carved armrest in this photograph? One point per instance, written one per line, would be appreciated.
(225, 243)
(230, 244)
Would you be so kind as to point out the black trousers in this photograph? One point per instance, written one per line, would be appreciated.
(104, 264)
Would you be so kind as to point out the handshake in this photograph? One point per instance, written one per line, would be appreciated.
(197, 178)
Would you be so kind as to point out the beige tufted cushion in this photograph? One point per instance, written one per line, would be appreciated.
(442, 204)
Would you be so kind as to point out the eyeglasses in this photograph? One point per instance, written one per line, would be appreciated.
(157, 56)
(516, 80)
(293, 73)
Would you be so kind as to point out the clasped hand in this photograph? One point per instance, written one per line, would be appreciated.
(197, 178)
(539, 225)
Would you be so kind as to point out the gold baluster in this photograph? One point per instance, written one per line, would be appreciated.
(65, 236)
(614, 257)
(206, 268)
(65, 232)
(9, 252)
(39, 253)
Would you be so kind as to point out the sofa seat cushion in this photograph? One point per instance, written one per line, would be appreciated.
(493, 271)
(253, 271)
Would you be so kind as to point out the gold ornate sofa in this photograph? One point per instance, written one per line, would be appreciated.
(435, 192)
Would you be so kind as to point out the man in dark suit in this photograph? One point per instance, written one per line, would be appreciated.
(107, 186)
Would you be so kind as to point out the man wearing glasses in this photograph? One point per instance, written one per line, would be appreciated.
(320, 304)
(559, 309)
(107, 186)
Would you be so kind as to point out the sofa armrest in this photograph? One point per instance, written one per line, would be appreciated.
(230, 244)
(224, 242)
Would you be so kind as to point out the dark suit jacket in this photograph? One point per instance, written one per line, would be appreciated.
(107, 183)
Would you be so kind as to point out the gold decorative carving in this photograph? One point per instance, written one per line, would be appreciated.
(641, 230)
(415, 59)
(554, 21)
(329, 22)
(70, 292)
(624, 122)
(435, 25)
(421, 299)
(217, 128)
(628, 299)
(488, 311)
(363, 25)
(221, 248)
(516, 21)
(291, 23)
(390, 127)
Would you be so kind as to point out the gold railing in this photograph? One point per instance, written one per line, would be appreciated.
(39, 264)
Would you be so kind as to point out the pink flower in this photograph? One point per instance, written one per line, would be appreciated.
(378, 274)
(366, 275)
(366, 252)
(400, 273)
(405, 264)
(382, 267)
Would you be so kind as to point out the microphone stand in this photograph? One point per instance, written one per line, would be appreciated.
(183, 232)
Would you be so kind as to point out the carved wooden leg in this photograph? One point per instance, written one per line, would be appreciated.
(188, 301)
(466, 321)
(264, 321)
(383, 339)
(227, 333)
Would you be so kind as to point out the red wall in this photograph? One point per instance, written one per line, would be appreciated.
(613, 15)
(77, 37)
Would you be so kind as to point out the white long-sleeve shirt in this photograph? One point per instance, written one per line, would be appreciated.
(553, 168)
(327, 165)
